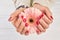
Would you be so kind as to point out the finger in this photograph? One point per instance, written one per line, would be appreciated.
(20, 28)
(48, 13)
(13, 21)
(26, 31)
(23, 32)
(15, 13)
(46, 19)
(38, 31)
(41, 28)
(18, 22)
(43, 23)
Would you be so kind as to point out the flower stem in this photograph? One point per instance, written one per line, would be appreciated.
(31, 2)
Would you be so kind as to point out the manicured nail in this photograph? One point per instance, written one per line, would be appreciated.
(24, 20)
(51, 17)
(22, 17)
(26, 24)
(37, 22)
(27, 32)
(40, 16)
(9, 19)
(38, 32)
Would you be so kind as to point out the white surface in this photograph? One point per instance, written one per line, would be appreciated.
(7, 31)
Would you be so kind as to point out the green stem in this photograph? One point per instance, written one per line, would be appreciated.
(31, 2)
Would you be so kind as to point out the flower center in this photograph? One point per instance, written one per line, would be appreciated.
(31, 20)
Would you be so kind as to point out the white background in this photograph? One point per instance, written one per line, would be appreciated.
(8, 32)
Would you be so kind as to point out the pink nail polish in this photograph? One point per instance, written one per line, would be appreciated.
(38, 32)
(22, 17)
(37, 22)
(41, 16)
(26, 24)
(27, 32)
(24, 20)
(51, 17)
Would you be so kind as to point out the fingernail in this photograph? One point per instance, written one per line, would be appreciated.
(9, 19)
(22, 17)
(24, 20)
(38, 32)
(27, 32)
(41, 16)
(51, 17)
(37, 22)
(26, 24)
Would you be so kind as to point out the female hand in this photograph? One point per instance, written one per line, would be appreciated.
(14, 18)
(45, 20)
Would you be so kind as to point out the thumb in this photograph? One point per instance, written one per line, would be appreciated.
(15, 14)
(44, 9)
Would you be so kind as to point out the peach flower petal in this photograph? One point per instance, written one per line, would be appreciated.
(30, 18)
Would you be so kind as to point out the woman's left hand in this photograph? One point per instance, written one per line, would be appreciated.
(45, 20)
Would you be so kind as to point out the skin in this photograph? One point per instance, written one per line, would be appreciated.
(44, 21)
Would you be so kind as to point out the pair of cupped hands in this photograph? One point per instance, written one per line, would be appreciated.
(44, 21)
